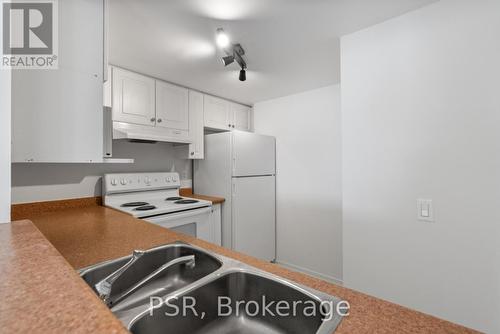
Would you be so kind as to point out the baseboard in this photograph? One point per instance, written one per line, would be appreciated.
(310, 273)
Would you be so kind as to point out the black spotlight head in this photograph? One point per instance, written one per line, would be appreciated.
(243, 75)
(226, 60)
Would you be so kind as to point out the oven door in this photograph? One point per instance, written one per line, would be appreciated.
(196, 223)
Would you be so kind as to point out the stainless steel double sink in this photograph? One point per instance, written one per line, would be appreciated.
(216, 295)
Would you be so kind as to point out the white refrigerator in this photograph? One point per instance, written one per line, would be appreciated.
(241, 167)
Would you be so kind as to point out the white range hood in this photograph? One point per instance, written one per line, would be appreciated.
(140, 132)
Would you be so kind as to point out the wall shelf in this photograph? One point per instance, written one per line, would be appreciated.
(118, 161)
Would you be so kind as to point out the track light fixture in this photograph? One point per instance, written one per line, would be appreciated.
(222, 38)
(233, 52)
(243, 75)
(227, 60)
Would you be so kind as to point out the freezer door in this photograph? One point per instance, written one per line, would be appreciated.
(253, 154)
(253, 216)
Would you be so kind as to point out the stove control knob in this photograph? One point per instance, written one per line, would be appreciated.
(123, 181)
(114, 182)
(168, 179)
(174, 179)
(147, 180)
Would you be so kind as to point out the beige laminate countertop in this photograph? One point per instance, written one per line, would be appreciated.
(188, 192)
(42, 293)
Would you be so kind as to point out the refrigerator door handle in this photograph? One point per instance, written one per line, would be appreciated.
(234, 164)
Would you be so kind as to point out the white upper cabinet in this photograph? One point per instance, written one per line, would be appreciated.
(196, 149)
(148, 109)
(224, 115)
(172, 106)
(133, 98)
(57, 115)
(240, 117)
(217, 113)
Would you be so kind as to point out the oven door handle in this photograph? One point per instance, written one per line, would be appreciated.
(182, 214)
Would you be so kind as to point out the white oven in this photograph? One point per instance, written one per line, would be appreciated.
(155, 198)
(195, 222)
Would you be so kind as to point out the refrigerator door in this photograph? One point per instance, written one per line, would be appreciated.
(253, 216)
(253, 154)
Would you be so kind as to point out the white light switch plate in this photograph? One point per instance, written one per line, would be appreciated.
(425, 210)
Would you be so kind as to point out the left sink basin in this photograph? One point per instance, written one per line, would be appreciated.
(168, 281)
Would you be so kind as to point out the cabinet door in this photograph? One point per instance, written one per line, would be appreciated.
(196, 149)
(171, 106)
(240, 117)
(133, 98)
(217, 113)
(57, 115)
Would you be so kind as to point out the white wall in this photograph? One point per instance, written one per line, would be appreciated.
(308, 190)
(5, 83)
(45, 182)
(421, 119)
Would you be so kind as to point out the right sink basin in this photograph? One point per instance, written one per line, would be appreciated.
(234, 302)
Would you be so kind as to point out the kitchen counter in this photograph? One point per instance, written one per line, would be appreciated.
(42, 293)
(188, 192)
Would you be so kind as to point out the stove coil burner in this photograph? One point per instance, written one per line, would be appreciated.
(132, 204)
(145, 208)
(173, 198)
(186, 201)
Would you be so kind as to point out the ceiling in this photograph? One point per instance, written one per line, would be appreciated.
(291, 45)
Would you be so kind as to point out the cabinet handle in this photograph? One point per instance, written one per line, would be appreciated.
(159, 120)
(152, 119)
